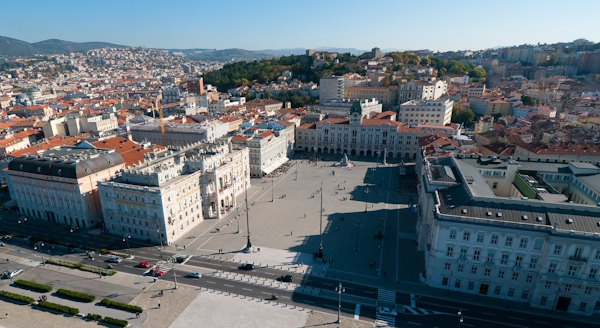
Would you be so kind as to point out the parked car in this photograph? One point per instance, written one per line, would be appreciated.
(247, 267)
(286, 278)
(158, 272)
(144, 264)
(385, 310)
(196, 275)
(180, 259)
(11, 273)
(114, 259)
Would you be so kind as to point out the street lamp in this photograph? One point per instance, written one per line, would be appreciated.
(366, 194)
(460, 317)
(357, 230)
(320, 254)
(237, 218)
(158, 235)
(174, 260)
(126, 239)
(272, 191)
(248, 244)
(339, 289)
(40, 250)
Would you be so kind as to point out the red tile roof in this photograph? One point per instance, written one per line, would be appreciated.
(131, 152)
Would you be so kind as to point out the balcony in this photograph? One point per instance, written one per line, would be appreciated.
(578, 258)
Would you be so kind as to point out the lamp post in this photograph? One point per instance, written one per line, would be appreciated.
(296, 169)
(158, 235)
(174, 260)
(357, 230)
(126, 239)
(320, 254)
(339, 289)
(460, 317)
(272, 191)
(39, 248)
(366, 194)
(248, 244)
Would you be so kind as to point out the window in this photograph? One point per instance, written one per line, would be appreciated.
(578, 252)
(504, 259)
(533, 263)
(476, 255)
(480, 238)
(447, 266)
(444, 281)
(557, 249)
(495, 185)
(529, 278)
(543, 300)
(523, 243)
(572, 272)
(548, 284)
(463, 253)
(597, 254)
(525, 294)
(460, 268)
(588, 290)
(452, 234)
(449, 251)
(537, 244)
(494, 240)
(474, 270)
(466, 236)
(511, 292)
(593, 273)
(508, 241)
(457, 283)
(497, 290)
(487, 272)
(515, 276)
(501, 274)
(471, 285)
(490, 257)
(518, 261)
(582, 306)
(597, 306)
(552, 268)
(568, 287)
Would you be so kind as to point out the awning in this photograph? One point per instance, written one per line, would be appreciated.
(275, 165)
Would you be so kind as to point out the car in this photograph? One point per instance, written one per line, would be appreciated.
(180, 259)
(286, 278)
(144, 264)
(114, 259)
(10, 274)
(196, 275)
(386, 310)
(158, 272)
(247, 267)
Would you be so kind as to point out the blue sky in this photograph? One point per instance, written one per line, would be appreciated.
(281, 24)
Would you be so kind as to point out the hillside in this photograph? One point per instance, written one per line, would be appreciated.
(226, 55)
(10, 47)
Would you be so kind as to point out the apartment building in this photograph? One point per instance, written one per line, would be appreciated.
(489, 106)
(500, 227)
(61, 184)
(158, 200)
(341, 107)
(385, 95)
(331, 87)
(264, 105)
(432, 112)
(422, 90)
(31, 111)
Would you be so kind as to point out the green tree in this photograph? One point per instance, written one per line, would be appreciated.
(462, 115)
(528, 100)
(425, 62)
(268, 95)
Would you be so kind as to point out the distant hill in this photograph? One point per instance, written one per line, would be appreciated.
(10, 47)
(226, 55)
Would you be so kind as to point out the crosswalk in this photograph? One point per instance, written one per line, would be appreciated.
(386, 298)
(418, 311)
(386, 295)
(31, 263)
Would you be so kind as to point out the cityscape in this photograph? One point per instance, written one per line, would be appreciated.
(185, 178)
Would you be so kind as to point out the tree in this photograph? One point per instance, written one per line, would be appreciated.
(268, 95)
(527, 100)
(462, 115)
(425, 62)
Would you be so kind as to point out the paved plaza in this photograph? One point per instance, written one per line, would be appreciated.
(359, 204)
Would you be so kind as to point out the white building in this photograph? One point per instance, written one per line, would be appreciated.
(219, 106)
(267, 152)
(76, 123)
(343, 106)
(482, 235)
(158, 200)
(179, 134)
(433, 112)
(359, 136)
(331, 87)
(421, 90)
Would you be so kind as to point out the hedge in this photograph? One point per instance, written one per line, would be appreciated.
(58, 307)
(80, 266)
(76, 295)
(121, 306)
(16, 297)
(33, 285)
(95, 317)
(115, 322)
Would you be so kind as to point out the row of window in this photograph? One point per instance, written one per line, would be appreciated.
(494, 239)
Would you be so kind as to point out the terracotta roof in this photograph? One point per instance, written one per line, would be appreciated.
(131, 152)
(265, 134)
(50, 143)
(307, 126)
(240, 138)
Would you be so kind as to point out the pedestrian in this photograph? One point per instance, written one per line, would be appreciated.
(184, 247)
(159, 305)
(7, 314)
(137, 315)
(291, 233)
